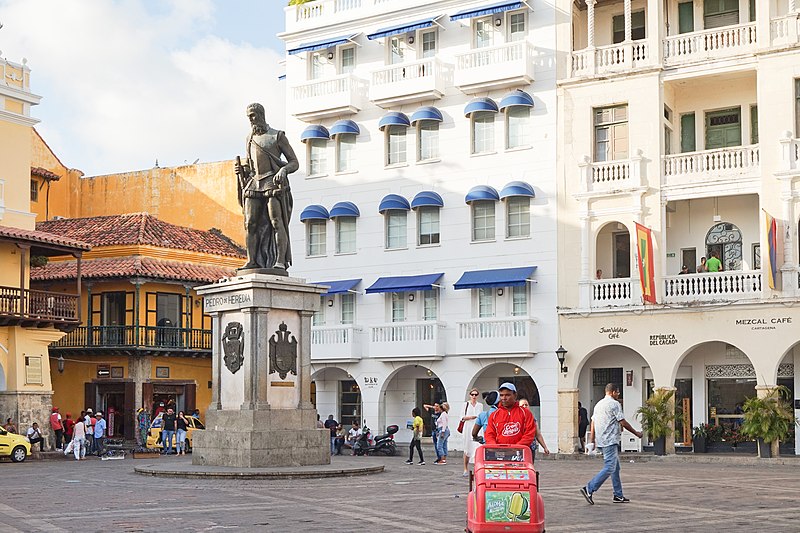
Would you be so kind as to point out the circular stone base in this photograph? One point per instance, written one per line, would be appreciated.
(188, 470)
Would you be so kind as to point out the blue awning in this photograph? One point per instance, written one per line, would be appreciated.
(403, 28)
(339, 287)
(427, 198)
(393, 118)
(427, 112)
(480, 104)
(517, 97)
(482, 192)
(344, 126)
(501, 277)
(317, 131)
(321, 45)
(314, 212)
(345, 209)
(393, 201)
(424, 282)
(517, 188)
(490, 9)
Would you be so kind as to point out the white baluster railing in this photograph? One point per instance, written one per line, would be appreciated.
(708, 44)
(611, 292)
(327, 87)
(608, 59)
(719, 161)
(712, 286)
(493, 55)
(425, 68)
(404, 332)
(493, 328)
(346, 5)
(332, 335)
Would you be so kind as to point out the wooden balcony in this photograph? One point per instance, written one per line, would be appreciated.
(40, 309)
(132, 340)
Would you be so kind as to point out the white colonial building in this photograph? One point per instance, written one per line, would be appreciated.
(426, 132)
(683, 117)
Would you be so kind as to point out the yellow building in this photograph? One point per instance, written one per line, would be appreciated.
(143, 338)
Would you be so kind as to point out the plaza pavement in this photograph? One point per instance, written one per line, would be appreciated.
(99, 495)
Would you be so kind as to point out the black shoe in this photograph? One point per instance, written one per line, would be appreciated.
(588, 496)
(620, 499)
(409, 462)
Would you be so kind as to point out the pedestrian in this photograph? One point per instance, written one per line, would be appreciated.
(510, 424)
(79, 440)
(167, 431)
(88, 421)
(606, 433)
(491, 398)
(417, 427)
(196, 414)
(437, 410)
(539, 439)
(341, 436)
(352, 436)
(583, 425)
(9, 426)
(99, 436)
(331, 424)
(143, 425)
(69, 426)
(57, 427)
(320, 425)
(443, 433)
(182, 426)
(471, 412)
(34, 436)
(714, 264)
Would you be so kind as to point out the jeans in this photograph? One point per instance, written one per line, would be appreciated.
(166, 440)
(333, 445)
(180, 441)
(610, 468)
(97, 445)
(415, 443)
(79, 448)
(40, 440)
(441, 443)
(338, 442)
(59, 438)
(435, 439)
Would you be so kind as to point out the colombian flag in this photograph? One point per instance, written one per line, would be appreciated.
(644, 247)
(772, 246)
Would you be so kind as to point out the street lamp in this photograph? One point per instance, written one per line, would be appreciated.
(60, 364)
(561, 353)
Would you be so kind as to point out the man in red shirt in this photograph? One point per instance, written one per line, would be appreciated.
(57, 426)
(510, 424)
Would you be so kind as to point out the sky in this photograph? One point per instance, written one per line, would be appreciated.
(128, 82)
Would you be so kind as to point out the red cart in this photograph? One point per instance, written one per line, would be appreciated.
(504, 491)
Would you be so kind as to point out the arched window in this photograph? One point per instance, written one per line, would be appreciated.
(726, 240)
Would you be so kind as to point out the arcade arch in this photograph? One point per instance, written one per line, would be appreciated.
(403, 389)
(491, 376)
(613, 251)
(335, 392)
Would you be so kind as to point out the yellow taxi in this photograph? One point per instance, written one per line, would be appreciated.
(154, 432)
(15, 446)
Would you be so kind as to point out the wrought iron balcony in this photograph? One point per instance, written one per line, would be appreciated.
(128, 340)
(27, 308)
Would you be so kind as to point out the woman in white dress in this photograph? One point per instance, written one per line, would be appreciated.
(471, 411)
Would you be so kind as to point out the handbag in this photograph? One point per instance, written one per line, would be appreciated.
(461, 424)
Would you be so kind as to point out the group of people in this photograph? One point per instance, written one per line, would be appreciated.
(174, 428)
(712, 264)
(340, 437)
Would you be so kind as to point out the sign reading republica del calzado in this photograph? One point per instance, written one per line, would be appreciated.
(224, 302)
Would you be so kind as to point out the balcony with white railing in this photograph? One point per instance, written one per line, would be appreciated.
(609, 177)
(606, 293)
(407, 340)
(711, 168)
(615, 58)
(790, 154)
(335, 343)
(332, 12)
(716, 43)
(406, 83)
(329, 97)
(735, 285)
(495, 336)
(495, 67)
(785, 31)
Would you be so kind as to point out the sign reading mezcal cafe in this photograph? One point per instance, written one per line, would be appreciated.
(764, 323)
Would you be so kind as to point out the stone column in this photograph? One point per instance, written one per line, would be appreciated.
(670, 442)
(261, 376)
(250, 363)
(568, 420)
(585, 287)
(762, 391)
(628, 25)
(590, 21)
(216, 363)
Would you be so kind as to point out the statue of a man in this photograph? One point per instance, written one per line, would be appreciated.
(265, 195)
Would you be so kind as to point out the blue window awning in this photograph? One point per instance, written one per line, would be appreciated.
(403, 28)
(393, 118)
(480, 104)
(345, 209)
(517, 188)
(427, 198)
(423, 282)
(339, 287)
(490, 9)
(314, 212)
(501, 277)
(317, 131)
(393, 201)
(426, 112)
(482, 192)
(341, 127)
(321, 45)
(518, 97)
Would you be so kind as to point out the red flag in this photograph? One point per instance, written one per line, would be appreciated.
(644, 248)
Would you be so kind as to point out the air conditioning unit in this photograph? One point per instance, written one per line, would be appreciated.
(58, 217)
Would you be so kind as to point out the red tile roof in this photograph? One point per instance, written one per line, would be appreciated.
(44, 173)
(42, 238)
(142, 229)
(130, 267)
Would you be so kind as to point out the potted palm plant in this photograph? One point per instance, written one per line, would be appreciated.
(656, 415)
(700, 438)
(768, 419)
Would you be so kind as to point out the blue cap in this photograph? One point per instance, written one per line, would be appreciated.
(507, 385)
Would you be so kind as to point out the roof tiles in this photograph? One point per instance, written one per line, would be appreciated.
(130, 267)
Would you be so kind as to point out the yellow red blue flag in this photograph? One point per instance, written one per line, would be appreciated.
(771, 257)
(644, 248)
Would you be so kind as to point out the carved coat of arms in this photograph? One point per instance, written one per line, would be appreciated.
(233, 346)
(283, 352)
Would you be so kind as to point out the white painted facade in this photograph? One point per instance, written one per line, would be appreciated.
(388, 359)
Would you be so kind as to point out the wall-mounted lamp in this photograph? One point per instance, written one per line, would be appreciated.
(430, 372)
(410, 39)
(198, 302)
(516, 370)
(561, 353)
(330, 303)
(411, 297)
(60, 364)
(500, 291)
(330, 55)
(498, 21)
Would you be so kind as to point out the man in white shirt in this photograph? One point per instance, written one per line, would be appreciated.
(607, 423)
(352, 435)
(34, 436)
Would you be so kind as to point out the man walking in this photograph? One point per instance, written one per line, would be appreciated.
(606, 432)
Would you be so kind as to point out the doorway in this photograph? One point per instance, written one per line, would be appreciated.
(622, 255)
(602, 377)
(429, 390)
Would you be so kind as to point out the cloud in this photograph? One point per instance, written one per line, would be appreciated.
(128, 81)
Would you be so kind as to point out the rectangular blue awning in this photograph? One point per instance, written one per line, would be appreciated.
(403, 28)
(501, 277)
(491, 9)
(339, 287)
(423, 282)
(321, 45)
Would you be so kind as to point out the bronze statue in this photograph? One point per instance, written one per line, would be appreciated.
(265, 195)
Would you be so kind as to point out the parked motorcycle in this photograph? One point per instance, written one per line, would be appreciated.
(382, 445)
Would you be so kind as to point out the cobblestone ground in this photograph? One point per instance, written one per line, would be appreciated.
(107, 496)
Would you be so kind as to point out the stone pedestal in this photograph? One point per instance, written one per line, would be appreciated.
(261, 413)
